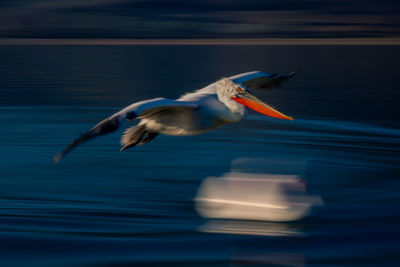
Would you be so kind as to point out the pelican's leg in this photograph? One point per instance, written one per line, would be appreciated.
(131, 144)
(141, 140)
(150, 136)
(133, 136)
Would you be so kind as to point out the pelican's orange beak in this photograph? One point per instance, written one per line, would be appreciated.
(249, 100)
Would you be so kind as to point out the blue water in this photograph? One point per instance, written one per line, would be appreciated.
(102, 207)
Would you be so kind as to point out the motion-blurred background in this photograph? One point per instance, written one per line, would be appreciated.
(198, 19)
(322, 190)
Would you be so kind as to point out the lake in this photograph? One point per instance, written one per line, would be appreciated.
(102, 207)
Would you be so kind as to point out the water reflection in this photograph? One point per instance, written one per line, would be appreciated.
(268, 259)
(243, 227)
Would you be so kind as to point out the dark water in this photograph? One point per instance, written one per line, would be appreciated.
(100, 207)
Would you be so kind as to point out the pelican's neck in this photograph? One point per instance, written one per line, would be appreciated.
(225, 90)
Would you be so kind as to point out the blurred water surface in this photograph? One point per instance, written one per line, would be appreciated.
(100, 207)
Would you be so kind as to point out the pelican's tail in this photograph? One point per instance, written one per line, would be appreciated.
(136, 136)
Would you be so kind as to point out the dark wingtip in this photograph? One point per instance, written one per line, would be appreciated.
(104, 127)
(297, 70)
(84, 137)
(58, 157)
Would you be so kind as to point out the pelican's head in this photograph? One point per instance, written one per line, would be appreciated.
(231, 94)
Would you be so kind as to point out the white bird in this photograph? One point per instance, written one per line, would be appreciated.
(194, 113)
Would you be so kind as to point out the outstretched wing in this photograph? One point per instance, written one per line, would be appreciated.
(259, 79)
(141, 109)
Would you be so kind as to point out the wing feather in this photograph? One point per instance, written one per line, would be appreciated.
(140, 109)
(259, 79)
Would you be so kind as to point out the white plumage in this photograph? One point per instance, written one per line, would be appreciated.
(194, 113)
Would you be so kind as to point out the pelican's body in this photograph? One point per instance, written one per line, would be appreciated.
(208, 113)
(194, 113)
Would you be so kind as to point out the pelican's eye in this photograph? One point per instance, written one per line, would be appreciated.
(240, 90)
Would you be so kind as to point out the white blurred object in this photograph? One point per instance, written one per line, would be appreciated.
(257, 197)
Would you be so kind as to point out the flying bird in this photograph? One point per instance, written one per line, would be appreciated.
(219, 103)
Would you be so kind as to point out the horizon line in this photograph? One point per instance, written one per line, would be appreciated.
(205, 41)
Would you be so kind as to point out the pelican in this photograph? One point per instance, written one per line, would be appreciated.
(219, 103)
